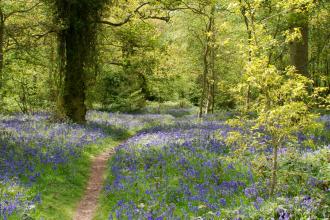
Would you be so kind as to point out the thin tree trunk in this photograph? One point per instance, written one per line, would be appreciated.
(205, 98)
(204, 83)
(274, 169)
(208, 99)
(249, 35)
(212, 61)
(2, 33)
(59, 77)
(23, 98)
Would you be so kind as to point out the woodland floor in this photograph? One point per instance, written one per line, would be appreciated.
(164, 167)
(88, 204)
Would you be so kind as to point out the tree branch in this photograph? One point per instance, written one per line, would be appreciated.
(5, 17)
(39, 36)
(127, 19)
(116, 63)
(140, 14)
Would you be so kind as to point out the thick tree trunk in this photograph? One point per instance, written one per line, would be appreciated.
(76, 51)
(74, 81)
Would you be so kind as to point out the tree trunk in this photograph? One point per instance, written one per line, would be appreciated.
(2, 33)
(211, 84)
(299, 48)
(249, 35)
(204, 83)
(208, 99)
(207, 61)
(78, 41)
(274, 169)
(59, 78)
(212, 62)
(74, 81)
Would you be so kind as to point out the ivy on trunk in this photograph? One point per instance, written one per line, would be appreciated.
(77, 37)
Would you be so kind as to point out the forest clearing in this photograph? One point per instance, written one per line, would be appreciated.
(164, 109)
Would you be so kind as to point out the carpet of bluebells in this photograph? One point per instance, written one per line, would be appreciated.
(187, 170)
(173, 168)
(33, 145)
(29, 146)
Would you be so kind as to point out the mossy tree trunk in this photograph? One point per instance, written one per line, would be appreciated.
(77, 51)
(74, 81)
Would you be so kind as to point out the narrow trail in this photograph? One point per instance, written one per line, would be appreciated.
(87, 206)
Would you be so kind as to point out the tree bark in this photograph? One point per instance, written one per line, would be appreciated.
(74, 81)
(212, 62)
(299, 48)
(204, 83)
(249, 29)
(76, 50)
(2, 33)
(274, 169)
(205, 100)
(60, 73)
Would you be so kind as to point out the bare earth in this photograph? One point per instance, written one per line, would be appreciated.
(87, 206)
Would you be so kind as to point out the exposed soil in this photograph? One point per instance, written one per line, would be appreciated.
(87, 206)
